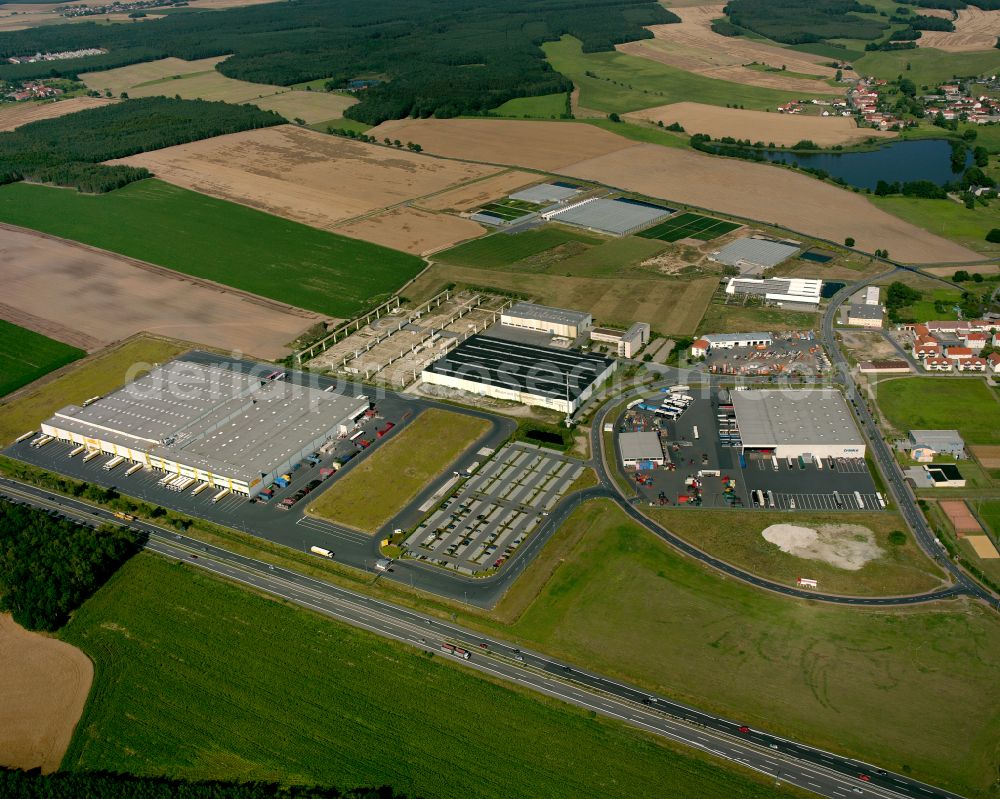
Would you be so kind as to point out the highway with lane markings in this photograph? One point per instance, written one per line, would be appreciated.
(780, 759)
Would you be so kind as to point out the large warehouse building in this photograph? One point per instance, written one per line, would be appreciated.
(225, 427)
(545, 319)
(793, 291)
(794, 422)
(552, 378)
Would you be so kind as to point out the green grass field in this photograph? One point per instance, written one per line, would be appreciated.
(98, 375)
(630, 83)
(894, 687)
(927, 66)
(221, 241)
(941, 403)
(722, 318)
(610, 259)
(376, 489)
(26, 355)
(198, 678)
(735, 537)
(545, 106)
(689, 226)
(949, 219)
(502, 249)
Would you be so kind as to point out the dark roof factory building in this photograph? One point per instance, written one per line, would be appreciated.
(552, 378)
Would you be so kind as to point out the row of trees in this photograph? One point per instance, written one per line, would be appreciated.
(434, 57)
(67, 150)
(954, 5)
(16, 784)
(49, 566)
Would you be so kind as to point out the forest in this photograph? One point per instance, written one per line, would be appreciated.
(431, 57)
(67, 150)
(50, 565)
(802, 21)
(15, 784)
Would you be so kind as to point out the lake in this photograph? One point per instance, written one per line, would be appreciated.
(902, 161)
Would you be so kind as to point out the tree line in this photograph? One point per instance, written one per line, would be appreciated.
(15, 784)
(802, 21)
(67, 150)
(431, 57)
(49, 566)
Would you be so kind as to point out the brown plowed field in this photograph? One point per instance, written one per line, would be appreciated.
(693, 46)
(304, 175)
(474, 195)
(766, 193)
(412, 230)
(787, 129)
(21, 114)
(975, 29)
(536, 145)
(106, 297)
(44, 688)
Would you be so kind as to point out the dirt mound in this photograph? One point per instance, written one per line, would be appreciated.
(44, 687)
(846, 546)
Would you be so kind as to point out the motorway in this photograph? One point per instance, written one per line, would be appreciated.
(780, 759)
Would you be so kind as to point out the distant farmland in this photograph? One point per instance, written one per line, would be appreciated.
(219, 241)
(25, 356)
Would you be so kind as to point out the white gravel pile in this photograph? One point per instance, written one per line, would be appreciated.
(846, 546)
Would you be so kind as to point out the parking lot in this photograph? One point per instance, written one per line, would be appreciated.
(790, 353)
(484, 522)
(705, 467)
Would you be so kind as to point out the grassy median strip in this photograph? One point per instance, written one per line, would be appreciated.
(197, 678)
(383, 483)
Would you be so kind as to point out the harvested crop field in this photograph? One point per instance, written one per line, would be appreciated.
(787, 129)
(766, 193)
(672, 307)
(21, 114)
(103, 297)
(975, 29)
(983, 547)
(535, 145)
(44, 688)
(412, 230)
(199, 80)
(693, 46)
(474, 195)
(304, 175)
(988, 455)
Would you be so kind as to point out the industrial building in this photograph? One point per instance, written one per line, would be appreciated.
(627, 342)
(937, 442)
(552, 378)
(545, 193)
(640, 450)
(753, 255)
(617, 217)
(797, 422)
(556, 321)
(938, 475)
(780, 290)
(865, 315)
(728, 341)
(229, 428)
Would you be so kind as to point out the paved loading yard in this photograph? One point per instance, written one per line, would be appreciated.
(490, 516)
(795, 487)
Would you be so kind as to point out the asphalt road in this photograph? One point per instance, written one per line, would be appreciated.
(784, 760)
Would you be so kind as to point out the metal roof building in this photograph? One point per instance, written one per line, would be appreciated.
(545, 193)
(615, 217)
(750, 252)
(229, 428)
(525, 373)
(640, 448)
(781, 290)
(865, 315)
(544, 318)
(794, 422)
(948, 442)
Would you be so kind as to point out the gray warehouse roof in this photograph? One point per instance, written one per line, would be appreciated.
(937, 439)
(866, 311)
(545, 193)
(761, 252)
(770, 417)
(640, 446)
(212, 418)
(616, 217)
(725, 338)
(542, 371)
(546, 313)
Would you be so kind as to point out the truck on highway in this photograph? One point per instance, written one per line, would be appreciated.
(457, 651)
(125, 517)
(323, 553)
